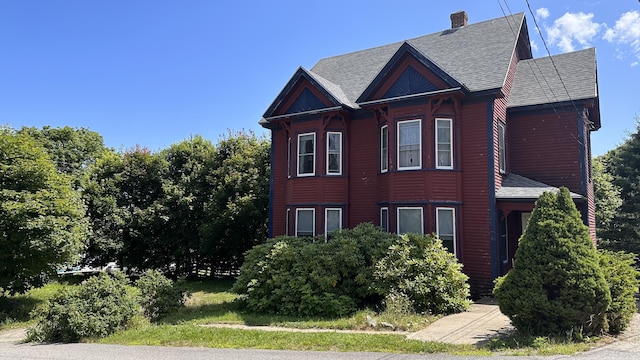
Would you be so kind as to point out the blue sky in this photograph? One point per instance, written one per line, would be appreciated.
(155, 72)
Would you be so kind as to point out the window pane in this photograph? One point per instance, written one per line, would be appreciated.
(384, 148)
(306, 154)
(333, 220)
(501, 149)
(446, 228)
(304, 222)
(334, 144)
(443, 146)
(410, 221)
(384, 219)
(409, 144)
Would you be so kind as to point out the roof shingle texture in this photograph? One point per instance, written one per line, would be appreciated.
(476, 55)
(537, 82)
(516, 187)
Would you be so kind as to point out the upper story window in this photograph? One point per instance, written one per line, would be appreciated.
(334, 153)
(444, 144)
(384, 148)
(306, 222)
(409, 145)
(410, 220)
(502, 158)
(288, 157)
(307, 154)
(446, 227)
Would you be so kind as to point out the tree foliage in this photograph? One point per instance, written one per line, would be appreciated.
(607, 195)
(623, 163)
(556, 285)
(41, 216)
(622, 277)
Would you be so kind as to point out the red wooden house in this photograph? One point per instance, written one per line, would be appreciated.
(456, 132)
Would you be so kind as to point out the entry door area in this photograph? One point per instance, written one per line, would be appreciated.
(511, 229)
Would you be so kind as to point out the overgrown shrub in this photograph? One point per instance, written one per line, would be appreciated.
(420, 268)
(556, 285)
(311, 277)
(96, 308)
(622, 277)
(159, 295)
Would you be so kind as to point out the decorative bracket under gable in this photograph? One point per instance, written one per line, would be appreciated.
(285, 124)
(381, 114)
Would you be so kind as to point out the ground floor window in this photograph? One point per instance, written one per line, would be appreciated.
(332, 220)
(384, 219)
(446, 227)
(410, 220)
(305, 222)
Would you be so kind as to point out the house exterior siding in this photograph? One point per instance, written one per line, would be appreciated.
(443, 147)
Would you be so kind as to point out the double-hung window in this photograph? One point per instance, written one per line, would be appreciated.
(334, 153)
(306, 154)
(446, 227)
(410, 220)
(502, 159)
(384, 148)
(332, 220)
(305, 222)
(409, 145)
(444, 144)
(384, 219)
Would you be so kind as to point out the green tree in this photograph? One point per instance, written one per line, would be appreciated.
(623, 232)
(188, 189)
(72, 150)
(41, 216)
(607, 199)
(556, 285)
(238, 209)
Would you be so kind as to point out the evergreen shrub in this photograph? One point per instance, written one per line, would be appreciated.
(556, 286)
(622, 277)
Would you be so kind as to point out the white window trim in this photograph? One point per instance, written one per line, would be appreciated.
(384, 159)
(339, 153)
(448, 167)
(326, 211)
(419, 166)
(384, 209)
(410, 208)
(313, 173)
(502, 155)
(453, 214)
(313, 210)
(288, 157)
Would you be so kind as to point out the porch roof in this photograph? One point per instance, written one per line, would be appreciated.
(520, 188)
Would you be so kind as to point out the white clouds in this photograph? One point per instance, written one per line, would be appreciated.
(534, 46)
(626, 32)
(542, 13)
(571, 28)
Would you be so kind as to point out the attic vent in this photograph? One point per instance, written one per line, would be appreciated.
(459, 19)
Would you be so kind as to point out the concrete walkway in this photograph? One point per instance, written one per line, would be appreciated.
(481, 323)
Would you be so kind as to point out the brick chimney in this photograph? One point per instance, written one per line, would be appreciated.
(459, 19)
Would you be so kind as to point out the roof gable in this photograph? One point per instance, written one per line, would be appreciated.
(408, 72)
(306, 91)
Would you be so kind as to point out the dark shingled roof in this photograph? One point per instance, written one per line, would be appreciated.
(536, 81)
(476, 55)
(516, 187)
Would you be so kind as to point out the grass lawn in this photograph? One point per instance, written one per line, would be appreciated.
(212, 303)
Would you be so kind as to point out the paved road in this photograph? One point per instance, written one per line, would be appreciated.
(13, 351)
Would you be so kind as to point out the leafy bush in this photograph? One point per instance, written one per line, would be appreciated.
(311, 277)
(96, 308)
(622, 277)
(420, 268)
(556, 285)
(159, 295)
